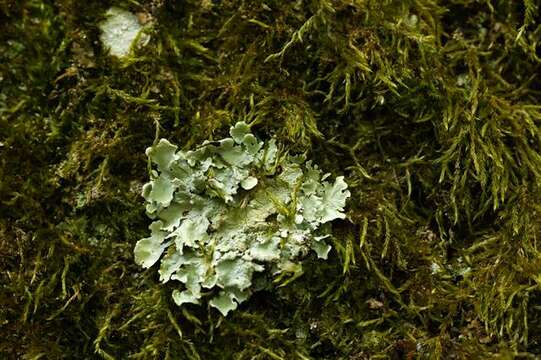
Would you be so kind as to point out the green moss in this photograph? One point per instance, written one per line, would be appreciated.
(430, 109)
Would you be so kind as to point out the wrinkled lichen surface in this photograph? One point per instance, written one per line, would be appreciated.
(429, 109)
(233, 208)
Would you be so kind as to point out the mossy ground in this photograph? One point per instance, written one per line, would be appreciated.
(431, 109)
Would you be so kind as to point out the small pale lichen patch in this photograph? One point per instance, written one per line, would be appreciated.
(119, 31)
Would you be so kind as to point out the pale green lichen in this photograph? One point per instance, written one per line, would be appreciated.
(120, 32)
(233, 208)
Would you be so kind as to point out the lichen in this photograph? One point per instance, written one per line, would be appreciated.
(230, 209)
(121, 31)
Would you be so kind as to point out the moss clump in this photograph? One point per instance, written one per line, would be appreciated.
(430, 109)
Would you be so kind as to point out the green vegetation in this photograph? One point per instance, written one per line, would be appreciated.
(431, 110)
